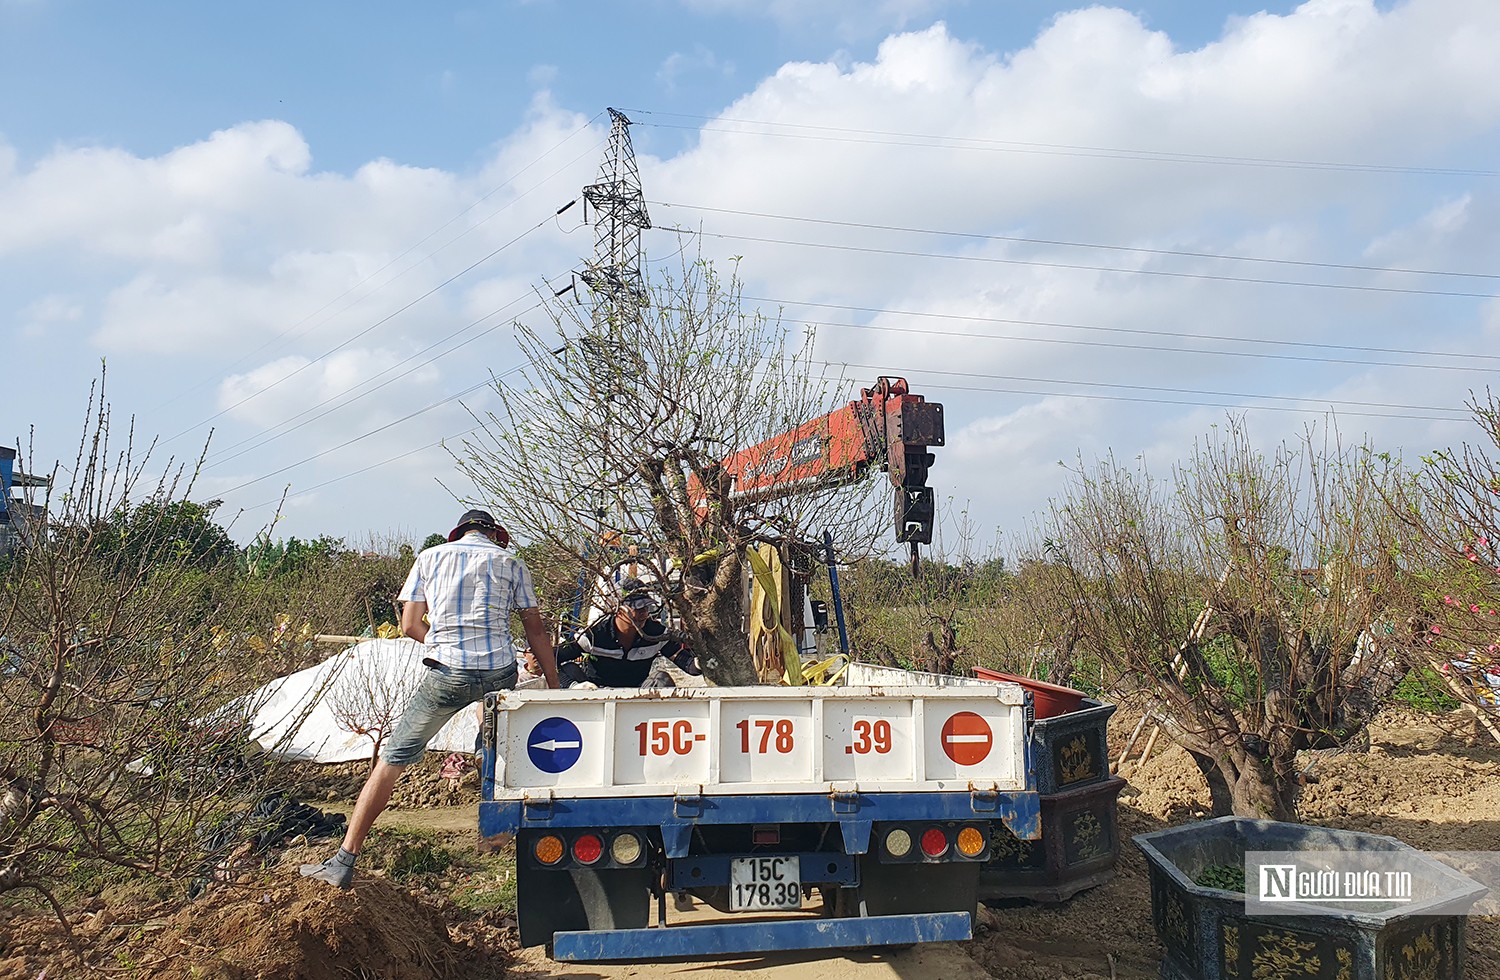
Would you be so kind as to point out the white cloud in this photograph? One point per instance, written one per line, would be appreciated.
(207, 273)
(296, 386)
(1071, 139)
(232, 261)
(49, 314)
(849, 18)
(684, 63)
(108, 202)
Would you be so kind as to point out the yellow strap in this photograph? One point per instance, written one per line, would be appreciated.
(826, 671)
(768, 585)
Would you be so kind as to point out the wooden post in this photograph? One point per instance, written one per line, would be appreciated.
(1130, 742)
(1480, 715)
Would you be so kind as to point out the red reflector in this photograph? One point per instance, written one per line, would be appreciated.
(587, 849)
(766, 835)
(934, 842)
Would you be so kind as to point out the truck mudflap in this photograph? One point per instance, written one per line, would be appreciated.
(759, 936)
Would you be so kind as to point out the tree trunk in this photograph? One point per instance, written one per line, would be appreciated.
(1221, 801)
(1255, 789)
(719, 631)
(1242, 784)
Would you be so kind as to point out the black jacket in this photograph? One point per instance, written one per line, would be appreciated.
(607, 662)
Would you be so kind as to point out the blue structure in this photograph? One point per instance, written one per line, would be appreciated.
(7, 476)
(16, 513)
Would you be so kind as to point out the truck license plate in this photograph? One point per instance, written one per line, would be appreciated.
(765, 883)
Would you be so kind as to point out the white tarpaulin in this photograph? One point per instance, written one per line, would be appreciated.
(310, 715)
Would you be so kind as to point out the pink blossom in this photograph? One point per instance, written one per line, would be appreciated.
(1471, 556)
(1447, 600)
(1483, 542)
(1473, 607)
(1437, 629)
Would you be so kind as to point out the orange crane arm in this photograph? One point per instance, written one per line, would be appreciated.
(887, 427)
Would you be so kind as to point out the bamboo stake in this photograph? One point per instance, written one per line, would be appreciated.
(1130, 742)
(1480, 715)
(1150, 743)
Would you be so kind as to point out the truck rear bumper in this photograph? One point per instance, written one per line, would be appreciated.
(761, 935)
(676, 816)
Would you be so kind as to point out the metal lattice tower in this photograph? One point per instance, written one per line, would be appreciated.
(620, 216)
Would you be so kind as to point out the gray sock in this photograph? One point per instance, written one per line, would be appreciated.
(338, 870)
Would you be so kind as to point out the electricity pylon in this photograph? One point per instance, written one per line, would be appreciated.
(614, 273)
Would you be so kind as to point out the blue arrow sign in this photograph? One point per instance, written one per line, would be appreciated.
(554, 745)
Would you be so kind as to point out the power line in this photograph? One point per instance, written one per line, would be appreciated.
(407, 251)
(376, 431)
(1138, 347)
(1128, 330)
(1202, 404)
(223, 456)
(365, 469)
(997, 260)
(1161, 389)
(848, 135)
(388, 317)
(1015, 239)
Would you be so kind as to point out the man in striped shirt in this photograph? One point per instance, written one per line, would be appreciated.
(459, 598)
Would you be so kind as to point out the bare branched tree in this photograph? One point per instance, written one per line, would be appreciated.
(614, 441)
(1257, 599)
(369, 696)
(1453, 509)
(114, 736)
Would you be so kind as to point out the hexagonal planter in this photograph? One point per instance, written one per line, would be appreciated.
(1208, 935)
(1072, 750)
(1080, 839)
(1079, 846)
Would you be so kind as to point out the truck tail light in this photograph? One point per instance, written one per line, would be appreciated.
(625, 848)
(766, 834)
(970, 842)
(934, 842)
(548, 849)
(898, 843)
(587, 848)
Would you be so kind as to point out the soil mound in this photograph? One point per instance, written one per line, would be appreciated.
(278, 925)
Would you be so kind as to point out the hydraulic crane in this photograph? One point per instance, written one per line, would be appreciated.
(886, 427)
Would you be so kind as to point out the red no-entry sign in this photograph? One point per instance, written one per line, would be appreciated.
(967, 738)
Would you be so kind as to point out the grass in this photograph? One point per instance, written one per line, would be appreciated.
(475, 882)
(491, 886)
(1423, 690)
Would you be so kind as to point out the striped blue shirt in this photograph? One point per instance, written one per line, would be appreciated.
(471, 587)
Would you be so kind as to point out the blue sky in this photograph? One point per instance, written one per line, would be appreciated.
(434, 85)
(1116, 223)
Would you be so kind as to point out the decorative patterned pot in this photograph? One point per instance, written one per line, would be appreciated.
(1079, 845)
(1209, 935)
(1072, 750)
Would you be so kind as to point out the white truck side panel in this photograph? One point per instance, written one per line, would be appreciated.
(760, 740)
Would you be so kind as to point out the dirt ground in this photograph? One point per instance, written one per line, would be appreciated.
(1424, 780)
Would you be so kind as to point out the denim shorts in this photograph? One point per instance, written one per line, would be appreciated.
(441, 694)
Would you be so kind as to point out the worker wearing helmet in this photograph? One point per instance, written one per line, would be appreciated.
(618, 650)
